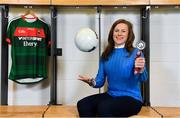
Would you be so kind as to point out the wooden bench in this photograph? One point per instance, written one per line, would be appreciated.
(22, 111)
(61, 111)
(71, 111)
(169, 112)
(147, 112)
(55, 111)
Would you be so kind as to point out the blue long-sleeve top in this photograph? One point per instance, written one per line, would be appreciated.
(119, 72)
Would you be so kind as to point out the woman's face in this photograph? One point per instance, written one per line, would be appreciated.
(120, 34)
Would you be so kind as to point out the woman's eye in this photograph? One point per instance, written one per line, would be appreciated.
(116, 30)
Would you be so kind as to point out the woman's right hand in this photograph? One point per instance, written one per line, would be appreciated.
(84, 79)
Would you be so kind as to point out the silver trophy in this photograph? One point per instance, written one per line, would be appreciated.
(140, 45)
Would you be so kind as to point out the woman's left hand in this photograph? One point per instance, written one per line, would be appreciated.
(140, 63)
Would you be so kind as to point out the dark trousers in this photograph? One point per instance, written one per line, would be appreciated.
(104, 105)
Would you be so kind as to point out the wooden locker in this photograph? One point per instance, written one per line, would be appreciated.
(28, 2)
(100, 2)
(165, 2)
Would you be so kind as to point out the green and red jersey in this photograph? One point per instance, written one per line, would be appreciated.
(29, 48)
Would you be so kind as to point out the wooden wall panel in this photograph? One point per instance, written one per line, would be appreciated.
(28, 2)
(65, 2)
(165, 2)
(136, 2)
(100, 2)
(1, 1)
(92, 2)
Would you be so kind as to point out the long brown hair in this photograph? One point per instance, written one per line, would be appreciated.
(128, 44)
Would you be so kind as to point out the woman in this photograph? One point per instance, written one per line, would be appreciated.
(117, 64)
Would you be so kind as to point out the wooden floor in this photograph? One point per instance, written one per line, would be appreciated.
(71, 111)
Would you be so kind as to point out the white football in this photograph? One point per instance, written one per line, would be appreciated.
(86, 40)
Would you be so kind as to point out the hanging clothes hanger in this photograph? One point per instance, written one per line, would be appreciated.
(29, 15)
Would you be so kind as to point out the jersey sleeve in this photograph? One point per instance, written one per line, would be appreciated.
(100, 77)
(9, 33)
(144, 75)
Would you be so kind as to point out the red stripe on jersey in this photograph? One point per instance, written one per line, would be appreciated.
(33, 17)
(49, 42)
(29, 32)
(8, 40)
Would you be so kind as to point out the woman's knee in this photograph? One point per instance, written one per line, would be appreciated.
(83, 104)
(80, 104)
(103, 110)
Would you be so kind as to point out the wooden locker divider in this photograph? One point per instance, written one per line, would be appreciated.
(164, 2)
(27, 2)
(100, 2)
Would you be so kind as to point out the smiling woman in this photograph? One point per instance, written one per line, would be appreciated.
(120, 34)
(123, 96)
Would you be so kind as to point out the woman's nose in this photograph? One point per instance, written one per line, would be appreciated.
(119, 33)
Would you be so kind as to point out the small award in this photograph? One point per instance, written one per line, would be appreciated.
(140, 45)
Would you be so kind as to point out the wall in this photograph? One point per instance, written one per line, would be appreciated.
(73, 62)
(164, 36)
(165, 56)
